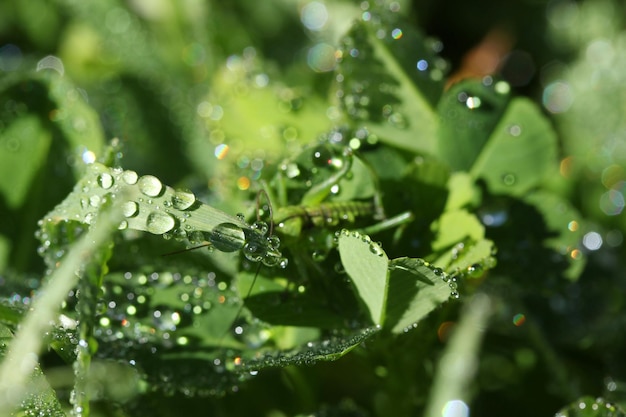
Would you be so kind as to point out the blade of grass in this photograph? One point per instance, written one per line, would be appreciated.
(460, 360)
(22, 356)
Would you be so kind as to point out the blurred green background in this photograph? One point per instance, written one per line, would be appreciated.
(158, 75)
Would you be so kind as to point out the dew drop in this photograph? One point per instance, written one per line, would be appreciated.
(475, 270)
(509, 179)
(89, 217)
(273, 242)
(321, 156)
(376, 249)
(159, 222)
(227, 237)
(105, 180)
(253, 252)
(291, 170)
(150, 185)
(473, 102)
(515, 130)
(95, 200)
(183, 199)
(130, 177)
(261, 227)
(318, 256)
(397, 120)
(130, 209)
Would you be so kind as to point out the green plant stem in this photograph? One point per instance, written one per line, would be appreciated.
(88, 292)
(460, 359)
(22, 356)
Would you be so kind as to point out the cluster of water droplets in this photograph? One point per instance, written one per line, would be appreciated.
(374, 247)
(314, 164)
(359, 65)
(591, 406)
(157, 209)
(475, 269)
(148, 313)
(262, 246)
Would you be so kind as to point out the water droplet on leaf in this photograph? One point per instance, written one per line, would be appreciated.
(130, 177)
(150, 185)
(183, 199)
(130, 208)
(509, 179)
(159, 222)
(105, 180)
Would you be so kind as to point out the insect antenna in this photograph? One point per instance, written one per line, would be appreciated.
(177, 252)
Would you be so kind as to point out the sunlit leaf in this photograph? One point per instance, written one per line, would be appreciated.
(456, 226)
(390, 80)
(40, 398)
(508, 144)
(366, 264)
(415, 289)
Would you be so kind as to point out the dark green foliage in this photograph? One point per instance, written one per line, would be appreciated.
(393, 204)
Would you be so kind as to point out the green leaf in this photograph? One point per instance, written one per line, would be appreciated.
(381, 86)
(252, 119)
(415, 289)
(367, 265)
(567, 227)
(46, 127)
(474, 260)
(469, 111)
(152, 207)
(26, 142)
(509, 144)
(454, 227)
(41, 399)
(463, 191)
(275, 304)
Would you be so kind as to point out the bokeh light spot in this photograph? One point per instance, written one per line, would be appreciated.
(221, 151)
(443, 332)
(10, 57)
(314, 15)
(592, 241)
(322, 58)
(455, 408)
(422, 65)
(612, 202)
(243, 183)
(558, 97)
